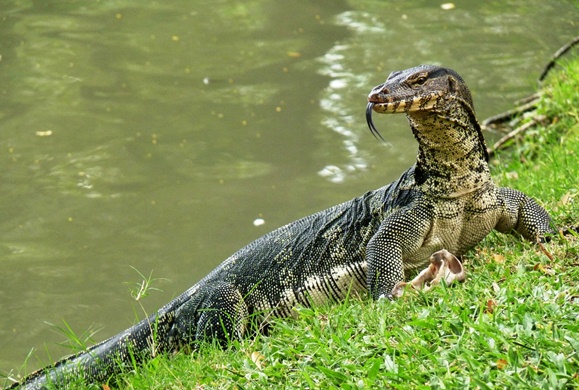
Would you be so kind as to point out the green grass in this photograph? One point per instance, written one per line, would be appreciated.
(513, 324)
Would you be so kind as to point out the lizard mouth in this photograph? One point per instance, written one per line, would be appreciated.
(370, 122)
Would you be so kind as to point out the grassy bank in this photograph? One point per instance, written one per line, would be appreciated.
(513, 324)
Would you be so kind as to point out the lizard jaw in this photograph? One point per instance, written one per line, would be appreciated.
(390, 105)
(387, 105)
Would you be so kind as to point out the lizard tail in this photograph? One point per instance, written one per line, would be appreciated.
(104, 360)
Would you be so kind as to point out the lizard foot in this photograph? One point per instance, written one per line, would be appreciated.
(443, 266)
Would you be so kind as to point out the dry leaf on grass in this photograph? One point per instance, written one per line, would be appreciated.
(258, 359)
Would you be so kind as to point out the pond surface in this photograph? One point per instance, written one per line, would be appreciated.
(150, 136)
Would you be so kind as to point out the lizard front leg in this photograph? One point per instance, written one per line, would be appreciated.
(523, 215)
(400, 235)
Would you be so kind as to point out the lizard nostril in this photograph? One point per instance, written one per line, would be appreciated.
(378, 91)
(382, 89)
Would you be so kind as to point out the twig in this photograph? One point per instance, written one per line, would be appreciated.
(559, 53)
(529, 98)
(510, 114)
(514, 133)
(544, 250)
(529, 102)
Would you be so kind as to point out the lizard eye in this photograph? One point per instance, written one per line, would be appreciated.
(419, 81)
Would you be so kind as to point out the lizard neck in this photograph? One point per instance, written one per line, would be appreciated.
(452, 157)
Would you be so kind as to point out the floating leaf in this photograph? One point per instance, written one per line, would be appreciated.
(258, 222)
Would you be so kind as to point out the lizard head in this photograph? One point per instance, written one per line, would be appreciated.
(424, 88)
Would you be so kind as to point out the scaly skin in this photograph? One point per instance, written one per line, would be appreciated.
(447, 200)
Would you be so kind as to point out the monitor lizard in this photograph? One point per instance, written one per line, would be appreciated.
(446, 203)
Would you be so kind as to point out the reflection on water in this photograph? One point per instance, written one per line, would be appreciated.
(337, 117)
(153, 135)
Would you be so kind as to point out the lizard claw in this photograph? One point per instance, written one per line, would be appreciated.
(443, 266)
(398, 290)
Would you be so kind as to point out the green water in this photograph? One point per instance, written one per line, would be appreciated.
(152, 135)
